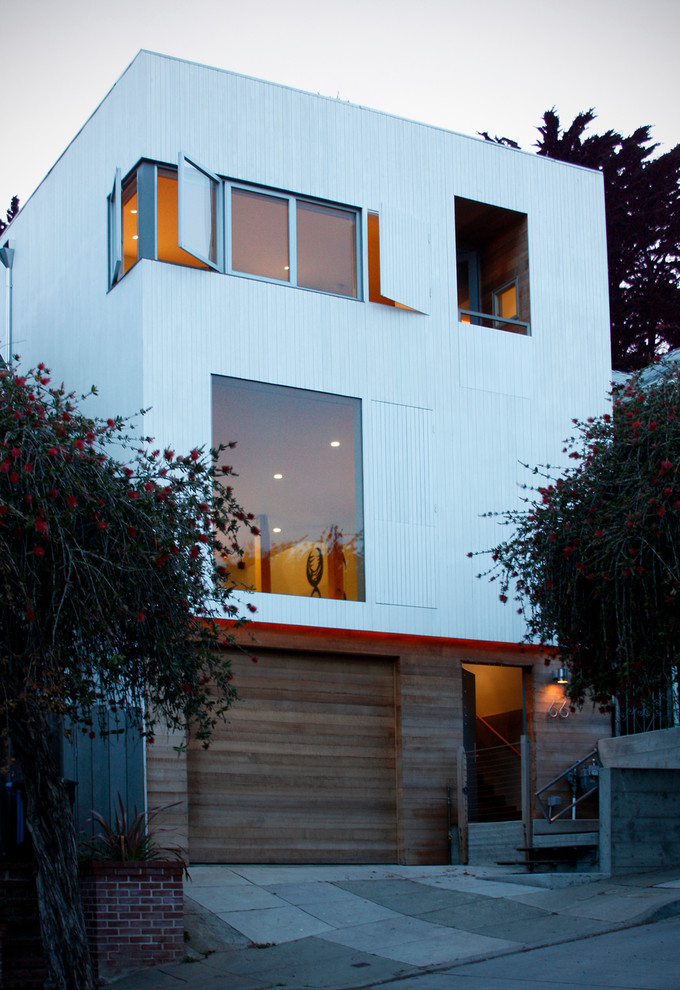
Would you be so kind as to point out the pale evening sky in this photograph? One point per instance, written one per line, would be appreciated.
(488, 65)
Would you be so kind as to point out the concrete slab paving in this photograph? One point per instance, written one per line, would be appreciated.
(407, 896)
(347, 927)
(379, 936)
(275, 924)
(235, 898)
(477, 885)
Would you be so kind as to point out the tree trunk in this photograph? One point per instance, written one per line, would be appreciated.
(50, 823)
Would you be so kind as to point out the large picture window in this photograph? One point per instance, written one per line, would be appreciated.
(298, 466)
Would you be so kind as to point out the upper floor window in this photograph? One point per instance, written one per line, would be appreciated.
(492, 266)
(189, 216)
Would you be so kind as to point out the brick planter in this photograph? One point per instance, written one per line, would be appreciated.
(134, 914)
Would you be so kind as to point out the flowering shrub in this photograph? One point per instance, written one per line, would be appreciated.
(112, 582)
(594, 559)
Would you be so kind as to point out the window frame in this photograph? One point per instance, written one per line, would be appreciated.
(115, 229)
(229, 185)
(216, 265)
(147, 172)
(292, 200)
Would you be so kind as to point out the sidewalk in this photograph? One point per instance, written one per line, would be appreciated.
(255, 927)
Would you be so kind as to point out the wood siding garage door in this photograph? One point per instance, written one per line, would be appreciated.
(304, 771)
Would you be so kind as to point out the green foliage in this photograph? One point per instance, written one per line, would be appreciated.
(128, 839)
(642, 202)
(112, 568)
(594, 558)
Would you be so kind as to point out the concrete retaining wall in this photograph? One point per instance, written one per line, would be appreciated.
(639, 819)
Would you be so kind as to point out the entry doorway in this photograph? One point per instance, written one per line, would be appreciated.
(494, 719)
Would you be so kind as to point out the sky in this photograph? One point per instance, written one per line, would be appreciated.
(465, 66)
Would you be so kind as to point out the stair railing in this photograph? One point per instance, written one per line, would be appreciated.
(506, 742)
(571, 774)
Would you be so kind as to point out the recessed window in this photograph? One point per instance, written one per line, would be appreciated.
(130, 213)
(492, 266)
(304, 491)
(167, 229)
(505, 301)
(179, 214)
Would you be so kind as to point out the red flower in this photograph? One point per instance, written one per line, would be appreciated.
(503, 598)
(254, 659)
(79, 444)
(110, 423)
(53, 452)
(39, 551)
(14, 478)
(28, 468)
(141, 617)
(53, 493)
(194, 455)
(15, 452)
(149, 486)
(132, 531)
(251, 607)
(72, 501)
(28, 615)
(41, 525)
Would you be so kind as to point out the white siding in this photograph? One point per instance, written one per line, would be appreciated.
(450, 411)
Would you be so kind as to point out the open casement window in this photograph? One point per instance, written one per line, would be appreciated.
(200, 211)
(399, 260)
(492, 266)
(298, 468)
(115, 235)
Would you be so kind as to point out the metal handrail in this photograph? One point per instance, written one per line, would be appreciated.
(502, 738)
(494, 318)
(570, 807)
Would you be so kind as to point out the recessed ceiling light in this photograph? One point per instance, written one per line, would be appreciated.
(278, 477)
(276, 529)
(135, 237)
(335, 443)
(286, 268)
(133, 211)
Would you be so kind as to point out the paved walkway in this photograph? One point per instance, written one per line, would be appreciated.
(255, 927)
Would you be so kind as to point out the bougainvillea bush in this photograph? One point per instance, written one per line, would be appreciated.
(594, 559)
(112, 580)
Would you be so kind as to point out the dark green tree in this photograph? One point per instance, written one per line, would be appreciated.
(642, 203)
(112, 582)
(594, 559)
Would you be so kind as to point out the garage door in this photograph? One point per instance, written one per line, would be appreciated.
(304, 769)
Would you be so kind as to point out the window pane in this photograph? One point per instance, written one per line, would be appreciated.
(199, 213)
(129, 201)
(326, 249)
(167, 246)
(505, 302)
(259, 235)
(298, 466)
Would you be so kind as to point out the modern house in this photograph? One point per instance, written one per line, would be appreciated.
(391, 320)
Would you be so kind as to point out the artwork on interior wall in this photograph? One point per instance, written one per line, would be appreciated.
(314, 570)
